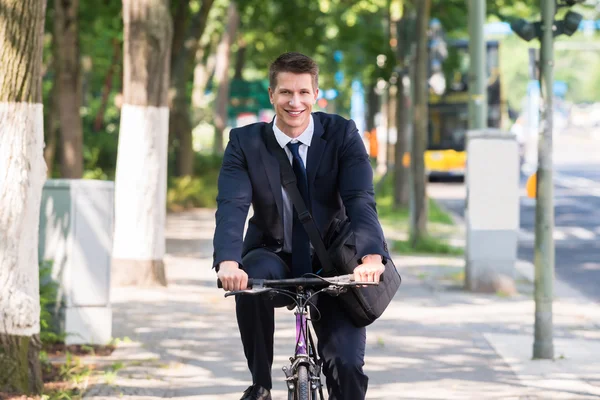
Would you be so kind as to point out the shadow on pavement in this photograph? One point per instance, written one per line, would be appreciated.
(429, 344)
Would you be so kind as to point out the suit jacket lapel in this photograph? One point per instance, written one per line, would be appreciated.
(315, 151)
(272, 167)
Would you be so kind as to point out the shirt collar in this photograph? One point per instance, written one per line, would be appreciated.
(304, 138)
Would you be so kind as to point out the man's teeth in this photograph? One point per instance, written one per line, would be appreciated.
(295, 112)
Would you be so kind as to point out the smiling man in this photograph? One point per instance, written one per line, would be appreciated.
(336, 181)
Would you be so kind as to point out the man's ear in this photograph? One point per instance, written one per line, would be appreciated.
(271, 95)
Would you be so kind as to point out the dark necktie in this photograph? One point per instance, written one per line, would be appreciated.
(301, 263)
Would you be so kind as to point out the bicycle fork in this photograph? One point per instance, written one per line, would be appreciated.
(305, 356)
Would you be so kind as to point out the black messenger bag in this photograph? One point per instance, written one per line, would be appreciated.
(338, 254)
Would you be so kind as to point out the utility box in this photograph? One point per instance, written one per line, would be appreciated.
(76, 235)
(491, 210)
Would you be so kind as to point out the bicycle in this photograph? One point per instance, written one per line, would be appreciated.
(303, 375)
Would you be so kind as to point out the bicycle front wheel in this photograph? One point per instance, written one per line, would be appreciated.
(303, 391)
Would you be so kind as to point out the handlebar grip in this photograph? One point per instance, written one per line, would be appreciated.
(380, 278)
(249, 285)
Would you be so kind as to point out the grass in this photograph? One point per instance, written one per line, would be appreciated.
(398, 218)
(111, 375)
(422, 275)
(65, 381)
(389, 214)
(69, 380)
(458, 276)
(429, 245)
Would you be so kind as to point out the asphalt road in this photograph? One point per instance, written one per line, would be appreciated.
(577, 214)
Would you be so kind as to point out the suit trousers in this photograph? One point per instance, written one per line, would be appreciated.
(341, 345)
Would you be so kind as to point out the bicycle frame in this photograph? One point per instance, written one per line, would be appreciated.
(305, 353)
(301, 333)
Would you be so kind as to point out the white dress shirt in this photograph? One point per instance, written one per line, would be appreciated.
(283, 139)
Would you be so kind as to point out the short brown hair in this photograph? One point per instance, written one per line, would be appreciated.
(296, 63)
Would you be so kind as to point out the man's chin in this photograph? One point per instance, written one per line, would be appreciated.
(295, 122)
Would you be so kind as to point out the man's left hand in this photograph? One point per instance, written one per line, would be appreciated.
(370, 270)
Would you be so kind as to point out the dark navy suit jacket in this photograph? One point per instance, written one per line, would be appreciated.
(340, 182)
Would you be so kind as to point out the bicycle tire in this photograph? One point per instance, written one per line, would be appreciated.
(303, 391)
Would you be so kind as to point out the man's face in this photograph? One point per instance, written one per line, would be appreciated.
(293, 99)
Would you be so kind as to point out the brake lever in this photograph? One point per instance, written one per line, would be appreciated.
(247, 291)
(359, 284)
(336, 290)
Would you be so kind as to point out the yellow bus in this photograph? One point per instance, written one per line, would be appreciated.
(449, 112)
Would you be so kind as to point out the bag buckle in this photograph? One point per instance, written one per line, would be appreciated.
(304, 217)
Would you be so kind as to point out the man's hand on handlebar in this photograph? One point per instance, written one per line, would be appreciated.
(232, 277)
(370, 270)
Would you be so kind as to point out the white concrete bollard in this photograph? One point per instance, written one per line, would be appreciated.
(492, 210)
(76, 233)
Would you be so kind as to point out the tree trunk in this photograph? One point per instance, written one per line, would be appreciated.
(372, 107)
(108, 82)
(141, 176)
(23, 175)
(51, 131)
(389, 148)
(240, 60)
(401, 169)
(68, 75)
(222, 76)
(180, 124)
(180, 23)
(370, 135)
(384, 109)
(205, 67)
(401, 188)
(421, 116)
(180, 128)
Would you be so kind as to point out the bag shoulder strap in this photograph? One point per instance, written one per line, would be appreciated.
(288, 181)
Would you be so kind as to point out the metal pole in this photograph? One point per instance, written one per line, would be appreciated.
(544, 212)
(411, 135)
(477, 69)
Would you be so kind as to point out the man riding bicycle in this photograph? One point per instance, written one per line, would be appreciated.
(335, 179)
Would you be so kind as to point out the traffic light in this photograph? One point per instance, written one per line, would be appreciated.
(567, 26)
(525, 29)
(570, 23)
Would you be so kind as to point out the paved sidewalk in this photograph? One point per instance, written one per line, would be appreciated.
(434, 342)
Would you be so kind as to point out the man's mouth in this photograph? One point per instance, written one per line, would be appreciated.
(295, 113)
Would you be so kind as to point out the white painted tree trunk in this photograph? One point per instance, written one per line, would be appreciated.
(22, 176)
(140, 195)
(141, 178)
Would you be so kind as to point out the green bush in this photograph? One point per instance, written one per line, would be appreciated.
(204, 163)
(49, 333)
(199, 190)
(189, 192)
(429, 245)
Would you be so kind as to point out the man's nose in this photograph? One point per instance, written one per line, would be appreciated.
(295, 100)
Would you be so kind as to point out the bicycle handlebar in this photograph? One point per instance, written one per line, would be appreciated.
(343, 280)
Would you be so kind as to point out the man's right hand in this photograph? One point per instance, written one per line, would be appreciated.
(231, 276)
